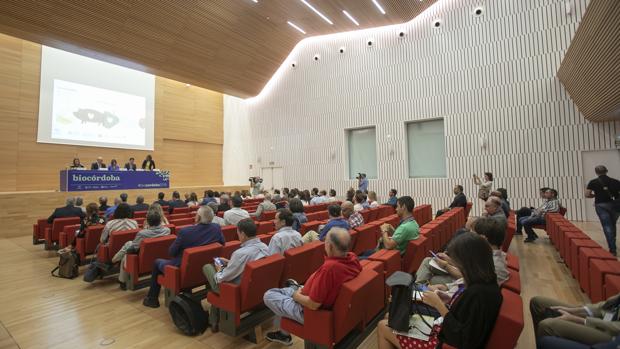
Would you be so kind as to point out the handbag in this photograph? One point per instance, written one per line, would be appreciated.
(67, 265)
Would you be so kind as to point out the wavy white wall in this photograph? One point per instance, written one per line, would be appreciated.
(490, 76)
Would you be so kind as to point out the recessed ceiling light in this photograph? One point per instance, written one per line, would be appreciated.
(295, 26)
(188, 85)
(350, 17)
(255, 1)
(317, 11)
(378, 6)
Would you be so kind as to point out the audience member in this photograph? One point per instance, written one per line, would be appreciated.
(493, 209)
(265, 206)
(124, 197)
(186, 198)
(114, 166)
(305, 197)
(335, 221)
(460, 200)
(176, 202)
(131, 165)
(606, 193)
(276, 196)
(79, 202)
(91, 218)
(110, 211)
(224, 203)
(332, 196)
(98, 164)
(406, 231)
(251, 249)
(587, 324)
(355, 219)
(216, 219)
(350, 194)
(470, 315)
(121, 220)
(209, 196)
(299, 217)
(154, 229)
(504, 197)
(204, 232)
(285, 237)
(320, 198)
(155, 208)
(538, 215)
(140, 205)
(550, 342)
(360, 201)
(503, 203)
(69, 210)
(527, 211)
(160, 199)
(392, 198)
(103, 203)
(372, 199)
(484, 185)
(321, 288)
(193, 200)
(236, 213)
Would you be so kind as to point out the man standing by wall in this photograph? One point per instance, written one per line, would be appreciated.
(606, 193)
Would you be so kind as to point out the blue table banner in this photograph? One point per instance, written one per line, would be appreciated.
(82, 180)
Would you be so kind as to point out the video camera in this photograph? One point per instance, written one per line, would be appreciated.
(360, 175)
(255, 180)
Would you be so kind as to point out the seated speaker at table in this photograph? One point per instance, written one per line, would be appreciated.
(148, 163)
(98, 164)
(131, 165)
(76, 164)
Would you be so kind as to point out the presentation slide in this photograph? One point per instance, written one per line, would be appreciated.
(93, 103)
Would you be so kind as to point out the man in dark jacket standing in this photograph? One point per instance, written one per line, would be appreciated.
(606, 193)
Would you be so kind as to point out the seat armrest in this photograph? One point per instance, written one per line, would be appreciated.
(132, 265)
(103, 253)
(80, 247)
(171, 279)
(319, 325)
(229, 297)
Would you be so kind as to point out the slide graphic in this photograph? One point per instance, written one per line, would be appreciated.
(106, 119)
(92, 114)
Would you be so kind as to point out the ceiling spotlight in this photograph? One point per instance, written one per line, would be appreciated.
(296, 27)
(317, 11)
(378, 6)
(255, 1)
(350, 17)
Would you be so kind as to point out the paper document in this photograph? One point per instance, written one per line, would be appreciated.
(434, 264)
(417, 328)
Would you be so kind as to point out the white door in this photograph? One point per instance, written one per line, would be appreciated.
(278, 178)
(266, 174)
(591, 159)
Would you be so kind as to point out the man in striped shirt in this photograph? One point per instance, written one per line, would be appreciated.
(551, 204)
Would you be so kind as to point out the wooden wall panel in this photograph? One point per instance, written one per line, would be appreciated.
(590, 70)
(191, 115)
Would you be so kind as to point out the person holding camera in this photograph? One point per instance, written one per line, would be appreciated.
(362, 182)
(256, 183)
(587, 324)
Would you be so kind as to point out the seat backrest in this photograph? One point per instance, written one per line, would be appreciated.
(41, 225)
(423, 214)
(416, 250)
(180, 210)
(119, 238)
(300, 262)
(59, 224)
(93, 236)
(366, 238)
(366, 215)
(563, 211)
(139, 214)
(468, 208)
(373, 214)
(151, 249)
(182, 221)
(310, 225)
(230, 233)
(267, 216)
(265, 227)
(509, 323)
(194, 258)
(349, 308)
(140, 221)
(258, 277)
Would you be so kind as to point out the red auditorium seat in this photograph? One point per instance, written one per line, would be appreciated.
(599, 268)
(514, 282)
(67, 235)
(300, 262)
(229, 248)
(366, 239)
(178, 216)
(310, 225)
(189, 274)
(510, 232)
(390, 259)
(468, 209)
(52, 234)
(139, 214)
(612, 285)
(182, 221)
(373, 214)
(267, 216)
(180, 210)
(142, 263)
(115, 242)
(565, 237)
(423, 214)
(509, 323)
(393, 220)
(366, 215)
(542, 226)
(38, 231)
(265, 227)
(433, 236)
(585, 256)
(347, 317)
(416, 251)
(265, 238)
(87, 245)
(572, 259)
(230, 233)
(512, 261)
(235, 300)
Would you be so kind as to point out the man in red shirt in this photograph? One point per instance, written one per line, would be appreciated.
(321, 288)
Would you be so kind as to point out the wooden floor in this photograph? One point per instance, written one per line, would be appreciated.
(39, 311)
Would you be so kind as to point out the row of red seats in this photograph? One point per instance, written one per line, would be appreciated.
(597, 270)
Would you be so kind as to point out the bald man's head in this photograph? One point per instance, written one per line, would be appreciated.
(337, 242)
(347, 209)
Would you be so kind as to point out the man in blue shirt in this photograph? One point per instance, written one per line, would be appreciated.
(393, 198)
(363, 183)
(204, 232)
(335, 220)
(110, 210)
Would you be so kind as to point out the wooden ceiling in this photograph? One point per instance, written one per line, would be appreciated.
(590, 70)
(230, 46)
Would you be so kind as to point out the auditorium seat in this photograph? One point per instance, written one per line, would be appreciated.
(366, 215)
(390, 259)
(612, 285)
(514, 282)
(230, 233)
(509, 234)
(599, 268)
(235, 300)
(265, 227)
(67, 235)
(38, 231)
(373, 214)
(434, 238)
(189, 274)
(142, 263)
(300, 262)
(267, 216)
(512, 261)
(346, 319)
(52, 234)
(310, 225)
(575, 245)
(585, 256)
(139, 214)
(468, 209)
(115, 242)
(87, 245)
(366, 239)
(229, 248)
(182, 221)
(265, 238)
(416, 251)
(509, 323)
(565, 237)
(423, 214)
(180, 210)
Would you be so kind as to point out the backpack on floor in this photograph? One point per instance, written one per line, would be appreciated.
(67, 265)
(188, 314)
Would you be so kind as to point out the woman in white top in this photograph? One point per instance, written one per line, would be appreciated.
(193, 200)
(372, 199)
(484, 186)
(120, 221)
(155, 207)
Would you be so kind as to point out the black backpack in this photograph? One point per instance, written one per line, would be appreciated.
(68, 265)
(188, 314)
